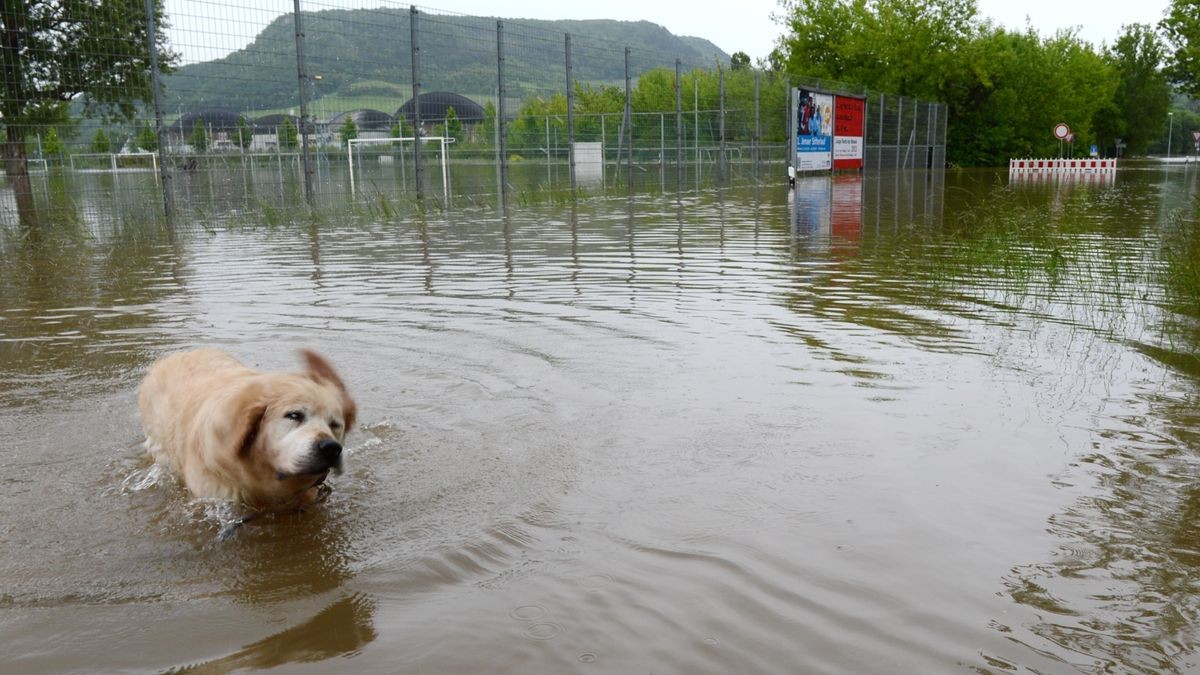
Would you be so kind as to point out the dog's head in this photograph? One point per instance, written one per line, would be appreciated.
(288, 429)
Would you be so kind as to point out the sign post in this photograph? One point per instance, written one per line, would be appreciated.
(1061, 132)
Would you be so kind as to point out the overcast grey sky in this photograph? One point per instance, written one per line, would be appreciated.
(206, 29)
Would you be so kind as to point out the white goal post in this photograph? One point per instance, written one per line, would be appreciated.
(444, 140)
(114, 160)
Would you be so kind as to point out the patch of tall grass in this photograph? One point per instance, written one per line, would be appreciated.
(1181, 261)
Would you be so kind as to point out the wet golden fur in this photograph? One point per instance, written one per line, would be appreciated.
(231, 432)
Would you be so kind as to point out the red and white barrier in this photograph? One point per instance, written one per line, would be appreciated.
(1062, 166)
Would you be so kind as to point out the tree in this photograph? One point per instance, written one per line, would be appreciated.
(739, 61)
(487, 129)
(1182, 29)
(591, 102)
(349, 130)
(536, 117)
(147, 138)
(904, 47)
(52, 145)
(1142, 94)
(243, 136)
(454, 126)
(53, 52)
(400, 129)
(100, 142)
(287, 136)
(199, 138)
(1008, 89)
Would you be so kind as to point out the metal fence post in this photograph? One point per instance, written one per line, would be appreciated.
(721, 152)
(930, 121)
(502, 146)
(946, 124)
(696, 122)
(628, 124)
(879, 155)
(570, 110)
(302, 81)
(757, 128)
(678, 121)
(160, 133)
(790, 140)
(414, 42)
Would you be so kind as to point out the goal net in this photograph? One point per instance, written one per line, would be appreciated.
(364, 154)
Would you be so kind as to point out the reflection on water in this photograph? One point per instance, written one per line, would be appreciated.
(903, 422)
(339, 630)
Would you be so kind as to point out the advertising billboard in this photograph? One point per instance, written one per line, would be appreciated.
(848, 132)
(813, 115)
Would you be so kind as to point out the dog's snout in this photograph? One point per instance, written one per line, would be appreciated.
(329, 450)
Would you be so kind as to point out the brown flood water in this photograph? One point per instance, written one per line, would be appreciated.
(714, 432)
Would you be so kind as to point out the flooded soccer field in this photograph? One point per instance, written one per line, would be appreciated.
(906, 422)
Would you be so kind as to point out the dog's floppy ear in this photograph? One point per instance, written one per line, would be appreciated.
(238, 419)
(245, 428)
(247, 418)
(320, 370)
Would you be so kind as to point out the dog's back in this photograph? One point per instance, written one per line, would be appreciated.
(173, 392)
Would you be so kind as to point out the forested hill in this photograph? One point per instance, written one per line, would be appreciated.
(353, 49)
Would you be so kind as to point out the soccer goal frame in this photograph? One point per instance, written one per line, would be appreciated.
(444, 140)
(113, 161)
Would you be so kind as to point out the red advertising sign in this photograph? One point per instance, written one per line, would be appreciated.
(848, 132)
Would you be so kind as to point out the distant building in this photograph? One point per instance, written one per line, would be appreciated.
(434, 105)
(265, 131)
(219, 125)
(370, 124)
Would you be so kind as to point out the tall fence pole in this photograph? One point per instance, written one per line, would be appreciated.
(696, 122)
(302, 81)
(678, 121)
(160, 133)
(414, 41)
(628, 124)
(946, 124)
(930, 121)
(721, 152)
(757, 128)
(570, 110)
(879, 155)
(790, 140)
(501, 93)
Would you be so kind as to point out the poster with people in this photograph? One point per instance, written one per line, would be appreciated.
(814, 130)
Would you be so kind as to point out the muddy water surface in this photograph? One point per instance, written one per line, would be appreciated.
(917, 424)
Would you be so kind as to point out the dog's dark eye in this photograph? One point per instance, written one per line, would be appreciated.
(334, 424)
(295, 415)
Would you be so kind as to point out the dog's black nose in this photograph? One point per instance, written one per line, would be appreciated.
(330, 451)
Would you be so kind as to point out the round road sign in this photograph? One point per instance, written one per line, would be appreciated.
(1061, 131)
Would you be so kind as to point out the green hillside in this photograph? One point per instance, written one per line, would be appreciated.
(361, 53)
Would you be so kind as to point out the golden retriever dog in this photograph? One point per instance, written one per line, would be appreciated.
(267, 440)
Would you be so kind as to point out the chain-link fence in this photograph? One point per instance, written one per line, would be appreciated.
(246, 109)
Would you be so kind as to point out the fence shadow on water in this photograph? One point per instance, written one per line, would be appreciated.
(336, 106)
